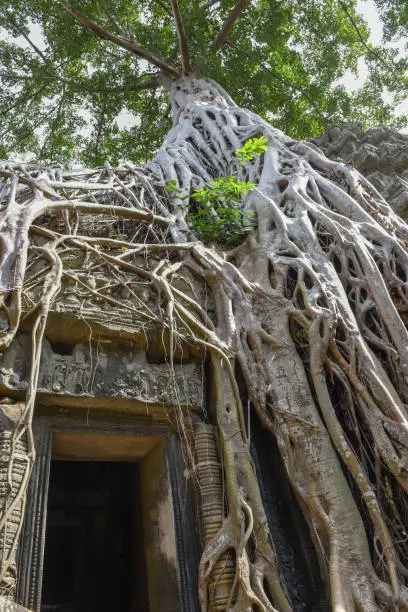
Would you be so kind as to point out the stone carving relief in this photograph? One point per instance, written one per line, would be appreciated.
(92, 369)
(380, 154)
(14, 463)
(10, 606)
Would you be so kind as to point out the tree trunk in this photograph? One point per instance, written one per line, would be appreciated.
(310, 308)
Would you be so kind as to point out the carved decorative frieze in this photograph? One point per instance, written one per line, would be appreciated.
(94, 370)
(14, 471)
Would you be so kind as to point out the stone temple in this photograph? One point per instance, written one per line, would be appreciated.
(109, 509)
(114, 517)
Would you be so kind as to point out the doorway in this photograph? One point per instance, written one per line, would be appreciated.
(94, 551)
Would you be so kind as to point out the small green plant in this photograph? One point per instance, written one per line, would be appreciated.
(254, 147)
(122, 238)
(173, 189)
(214, 213)
(227, 187)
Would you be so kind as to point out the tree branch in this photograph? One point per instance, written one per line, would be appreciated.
(209, 4)
(129, 45)
(181, 35)
(22, 33)
(152, 83)
(360, 36)
(229, 22)
(50, 207)
(23, 99)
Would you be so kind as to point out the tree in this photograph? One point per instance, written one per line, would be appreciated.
(394, 15)
(283, 60)
(304, 320)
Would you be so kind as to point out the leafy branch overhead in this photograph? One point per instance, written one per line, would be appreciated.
(69, 97)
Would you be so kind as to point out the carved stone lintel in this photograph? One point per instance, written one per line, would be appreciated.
(93, 370)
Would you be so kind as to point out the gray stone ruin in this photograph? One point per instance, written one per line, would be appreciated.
(380, 154)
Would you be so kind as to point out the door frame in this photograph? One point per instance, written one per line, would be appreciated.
(168, 460)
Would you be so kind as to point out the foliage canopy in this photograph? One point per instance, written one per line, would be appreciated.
(60, 98)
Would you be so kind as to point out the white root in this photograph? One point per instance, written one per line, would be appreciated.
(312, 305)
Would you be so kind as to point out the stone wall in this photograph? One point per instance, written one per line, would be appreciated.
(10, 606)
(380, 154)
(96, 370)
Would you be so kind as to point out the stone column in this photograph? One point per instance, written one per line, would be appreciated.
(15, 466)
(32, 544)
(210, 486)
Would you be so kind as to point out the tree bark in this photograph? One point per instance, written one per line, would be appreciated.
(310, 306)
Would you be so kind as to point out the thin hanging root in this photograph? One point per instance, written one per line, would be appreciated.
(225, 540)
(23, 429)
(243, 573)
(230, 537)
(389, 457)
(384, 594)
(321, 255)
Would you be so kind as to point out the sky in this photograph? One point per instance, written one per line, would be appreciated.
(351, 81)
(368, 10)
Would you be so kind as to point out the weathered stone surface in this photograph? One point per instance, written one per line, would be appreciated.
(159, 533)
(16, 472)
(95, 370)
(10, 606)
(380, 154)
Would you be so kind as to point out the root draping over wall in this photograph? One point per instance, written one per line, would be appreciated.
(311, 309)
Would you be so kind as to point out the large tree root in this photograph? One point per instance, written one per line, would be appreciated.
(312, 305)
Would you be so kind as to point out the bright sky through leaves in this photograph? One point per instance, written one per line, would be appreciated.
(294, 84)
(369, 11)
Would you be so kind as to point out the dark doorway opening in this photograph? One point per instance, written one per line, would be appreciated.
(94, 552)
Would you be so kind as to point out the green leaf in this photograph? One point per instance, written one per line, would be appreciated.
(283, 61)
(254, 147)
